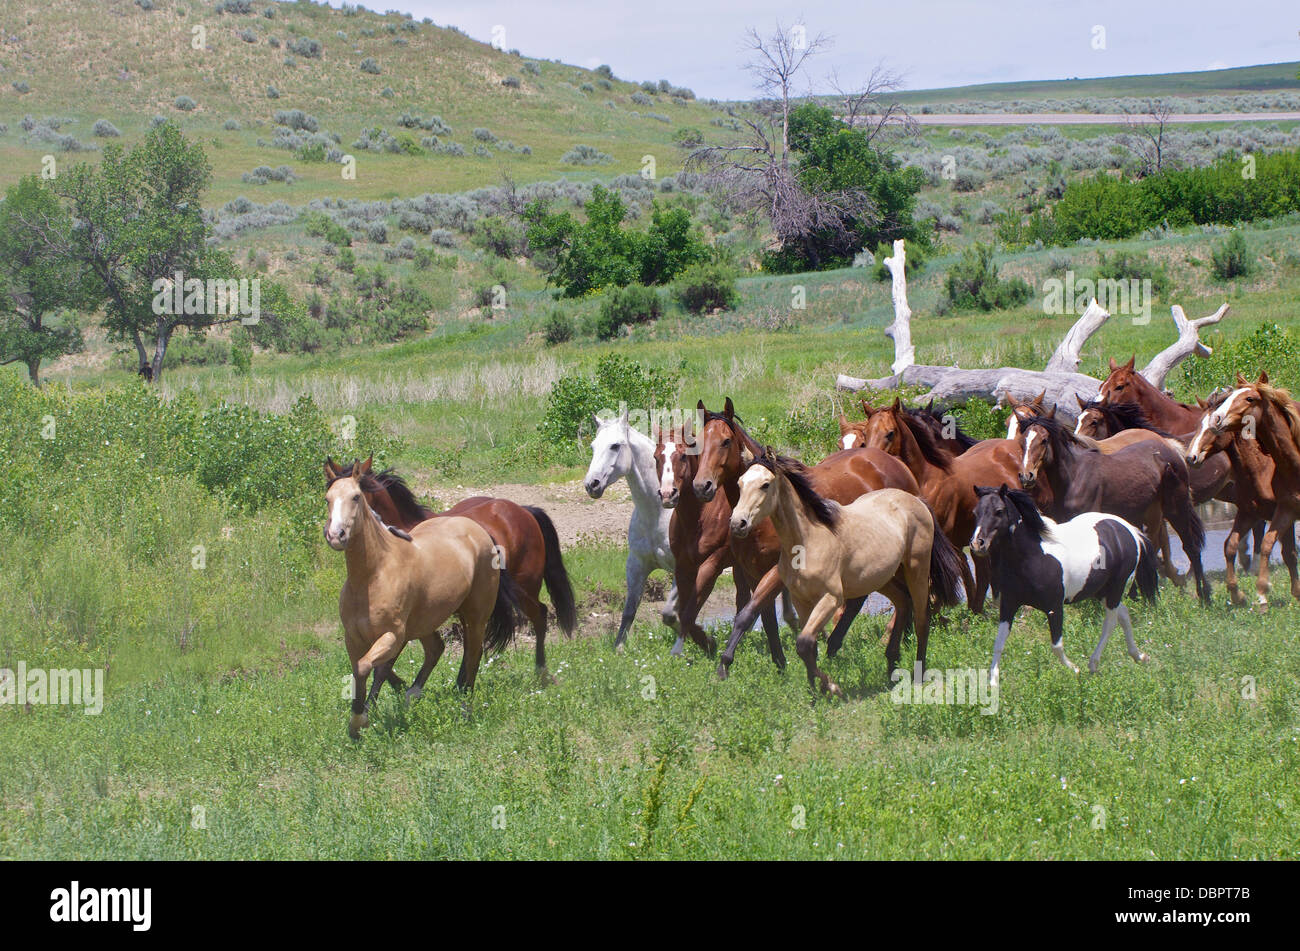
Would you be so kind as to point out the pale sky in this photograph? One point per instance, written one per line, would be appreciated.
(695, 43)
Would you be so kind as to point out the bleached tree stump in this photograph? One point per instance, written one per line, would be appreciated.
(900, 331)
(1187, 344)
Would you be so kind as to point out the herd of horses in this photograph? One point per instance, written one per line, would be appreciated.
(1053, 514)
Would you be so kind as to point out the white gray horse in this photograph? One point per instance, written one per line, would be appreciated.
(620, 451)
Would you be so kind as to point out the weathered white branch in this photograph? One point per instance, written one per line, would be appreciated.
(900, 331)
(1066, 358)
(1187, 344)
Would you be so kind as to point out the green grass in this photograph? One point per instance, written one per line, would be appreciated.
(612, 764)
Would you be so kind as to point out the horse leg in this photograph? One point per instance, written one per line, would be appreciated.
(358, 721)
(806, 643)
(1007, 613)
(1126, 622)
(1231, 548)
(669, 613)
(787, 611)
(968, 585)
(918, 587)
(897, 592)
(1286, 533)
(1107, 625)
(638, 569)
(1159, 532)
(762, 600)
(704, 581)
(394, 681)
(687, 605)
(982, 572)
(1056, 625)
(433, 647)
(852, 607)
(1265, 554)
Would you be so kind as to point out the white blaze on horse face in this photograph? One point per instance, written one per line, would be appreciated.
(1013, 426)
(666, 480)
(1078, 424)
(848, 440)
(1029, 441)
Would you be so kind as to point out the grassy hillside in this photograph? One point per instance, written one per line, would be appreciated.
(88, 60)
(1209, 82)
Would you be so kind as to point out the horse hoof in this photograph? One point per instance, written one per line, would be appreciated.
(414, 693)
(1092, 666)
(723, 672)
(834, 690)
(710, 646)
(358, 723)
(1143, 658)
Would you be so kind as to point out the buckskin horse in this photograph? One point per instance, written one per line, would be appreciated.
(530, 546)
(1145, 483)
(1272, 417)
(887, 540)
(1047, 565)
(841, 477)
(398, 590)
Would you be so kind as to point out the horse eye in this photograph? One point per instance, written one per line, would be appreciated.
(726, 443)
(889, 435)
(357, 497)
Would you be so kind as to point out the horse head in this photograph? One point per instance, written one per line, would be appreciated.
(346, 501)
(611, 456)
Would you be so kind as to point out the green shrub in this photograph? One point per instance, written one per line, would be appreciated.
(558, 328)
(498, 236)
(576, 398)
(1271, 348)
(915, 261)
(1230, 258)
(974, 284)
(634, 304)
(707, 287)
(1133, 266)
(320, 225)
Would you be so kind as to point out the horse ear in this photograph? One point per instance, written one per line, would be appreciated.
(866, 409)
(844, 424)
(365, 467)
(983, 490)
(1241, 380)
(1113, 365)
(898, 405)
(1051, 413)
(1263, 376)
(1083, 404)
(728, 410)
(700, 406)
(1131, 360)
(929, 407)
(747, 457)
(1201, 403)
(1002, 490)
(1041, 397)
(331, 469)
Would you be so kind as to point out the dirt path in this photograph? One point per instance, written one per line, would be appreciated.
(576, 515)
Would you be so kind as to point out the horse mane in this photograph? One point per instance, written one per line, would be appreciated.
(822, 510)
(737, 427)
(1060, 436)
(1033, 520)
(1281, 399)
(934, 453)
(1122, 416)
(931, 415)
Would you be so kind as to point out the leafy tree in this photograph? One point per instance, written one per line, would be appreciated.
(39, 277)
(140, 221)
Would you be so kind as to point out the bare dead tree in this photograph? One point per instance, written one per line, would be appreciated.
(1148, 141)
(776, 61)
(863, 108)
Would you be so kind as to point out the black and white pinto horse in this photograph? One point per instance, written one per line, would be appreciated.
(1046, 564)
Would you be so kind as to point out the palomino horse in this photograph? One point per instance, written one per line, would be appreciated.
(841, 477)
(530, 546)
(1046, 565)
(1267, 413)
(399, 590)
(619, 451)
(886, 541)
(947, 482)
(1145, 483)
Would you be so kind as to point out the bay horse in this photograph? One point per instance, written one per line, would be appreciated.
(699, 537)
(1269, 415)
(530, 545)
(1022, 411)
(399, 590)
(1046, 565)
(841, 477)
(887, 541)
(1145, 483)
(620, 451)
(944, 429)
(947, 482)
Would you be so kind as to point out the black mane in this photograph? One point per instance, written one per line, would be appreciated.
(1030, 517)
(934, 453)
(404, 500)
(822, 510)
(1059, 436)
(1122, 416)
(931, 416)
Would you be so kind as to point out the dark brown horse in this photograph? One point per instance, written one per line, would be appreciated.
(1145, 484)
(841, 477)
(947, 482)
(525, 534)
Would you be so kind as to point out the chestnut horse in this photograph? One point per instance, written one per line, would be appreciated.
(1267, 413)
(841, 477)
(398, 590)
(947, 482)
(1145, 484)
(530, 546)
(885, 541)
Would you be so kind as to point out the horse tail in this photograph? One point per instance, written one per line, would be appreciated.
(945, 564)
(1147, 574)
(507, 614)
(554, 573)
(1177, 500)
